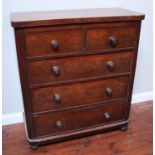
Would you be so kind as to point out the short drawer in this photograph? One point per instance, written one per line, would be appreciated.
(53, 42)
(87, 93)
(77, 68)
(110, 38)
(67, 121)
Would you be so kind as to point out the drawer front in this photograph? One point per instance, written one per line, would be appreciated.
(98, 39)
(56, 98)
(52, 71)
(59, 122)
(53, 43)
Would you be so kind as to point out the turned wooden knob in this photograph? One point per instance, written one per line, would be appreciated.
(56, 70)
(106, 116)
(108, 91)
(57, 98)
(55, 45)
(59, 124)
(113, 41)
(110, 65)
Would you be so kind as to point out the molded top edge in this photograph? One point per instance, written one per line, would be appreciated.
(58, 17)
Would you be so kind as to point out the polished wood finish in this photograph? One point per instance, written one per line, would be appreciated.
(78, 68)
(79, 94)
(76, 72)
(44, 18)
(78, 119)
(40, 43)
(107, 38)
(138, 139)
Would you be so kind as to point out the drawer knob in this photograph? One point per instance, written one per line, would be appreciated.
(56, 70)
(108, 91)
(57, 98)
(55, 45)
(113, 41)
(106, 116)
(110, 65)
(59, 124)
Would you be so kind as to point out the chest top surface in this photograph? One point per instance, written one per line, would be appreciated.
(44, 18)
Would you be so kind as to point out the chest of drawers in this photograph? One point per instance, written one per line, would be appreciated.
(77, 70)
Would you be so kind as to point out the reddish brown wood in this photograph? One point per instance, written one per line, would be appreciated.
(77, 119)
(75, 68)
(137, 140)
(79, 94)
(70, 39)
(38, 40)
(101, 38)
(39, 43)
(44, 18)
(134, 68)
(76, 57)
(20, 45)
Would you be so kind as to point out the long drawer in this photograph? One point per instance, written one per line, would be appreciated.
(77, 119)
(77, 68)
(64, 96)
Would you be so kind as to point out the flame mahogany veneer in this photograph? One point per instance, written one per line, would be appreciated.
(77, 71)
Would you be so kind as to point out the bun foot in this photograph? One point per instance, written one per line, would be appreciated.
(124, 128)
(34, 147)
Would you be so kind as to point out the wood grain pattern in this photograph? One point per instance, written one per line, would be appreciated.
(137, 140)
(19, 36)
(39, 43)
(79, 94)
(76, 68)
(74, 39)
(73, 119)
(99, 38)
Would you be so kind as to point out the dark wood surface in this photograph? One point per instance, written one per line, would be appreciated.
(87, 93)
(77, 119)
(39, 47)
(29, 19)
(138, 140)
(40, 43)
(78, 68)
(79, 39)
(85, 65)
(20, 46)
(98, 38)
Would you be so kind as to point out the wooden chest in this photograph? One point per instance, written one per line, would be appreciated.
(77, 70)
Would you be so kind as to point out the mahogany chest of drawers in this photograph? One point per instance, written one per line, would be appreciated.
(77, 70)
